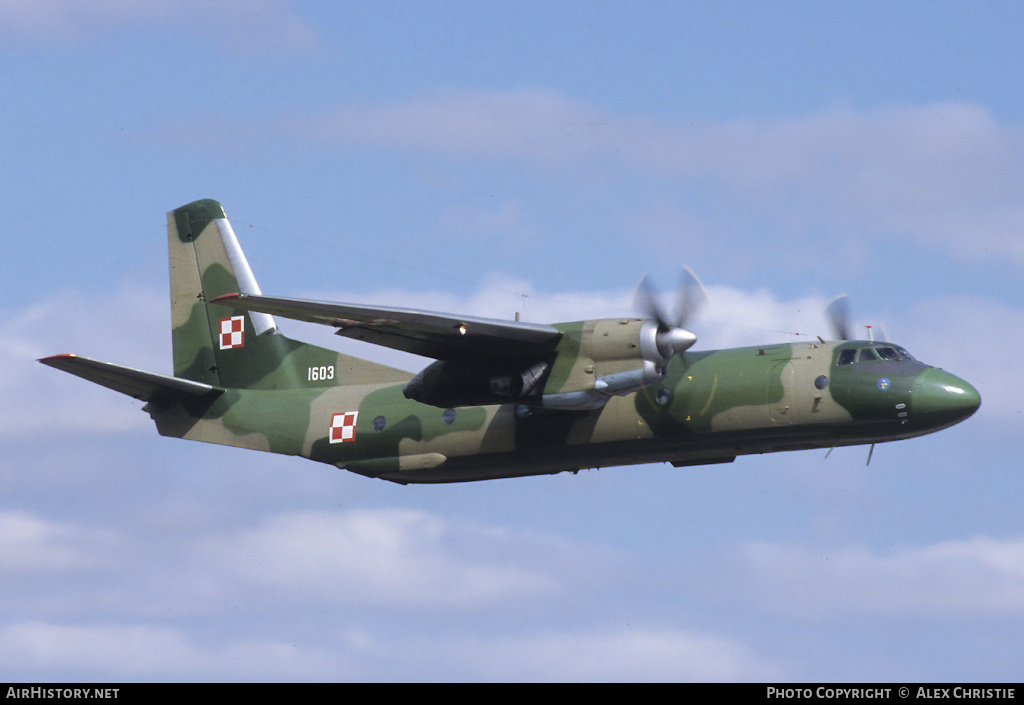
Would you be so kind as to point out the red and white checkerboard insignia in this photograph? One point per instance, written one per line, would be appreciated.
(343, 427)
(232, 332)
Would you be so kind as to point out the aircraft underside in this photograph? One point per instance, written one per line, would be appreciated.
(689, 450)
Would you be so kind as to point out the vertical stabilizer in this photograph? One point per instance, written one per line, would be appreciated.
(228, 348)
(200, 241)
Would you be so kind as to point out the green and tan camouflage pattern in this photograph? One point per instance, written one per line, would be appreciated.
(283, 396)
(201, 270)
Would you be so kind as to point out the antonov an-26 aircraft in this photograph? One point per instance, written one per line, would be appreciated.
(503, 398)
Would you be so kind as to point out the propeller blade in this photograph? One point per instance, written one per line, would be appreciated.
(838, 312)
(691, 298)
(646, 302)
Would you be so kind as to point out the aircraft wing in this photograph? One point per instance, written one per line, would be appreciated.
(145, 386)
(441, 336)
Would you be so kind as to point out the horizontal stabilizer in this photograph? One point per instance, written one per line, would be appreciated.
(441, 336)
(145, 386)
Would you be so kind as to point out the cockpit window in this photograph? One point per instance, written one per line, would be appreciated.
(873, 354)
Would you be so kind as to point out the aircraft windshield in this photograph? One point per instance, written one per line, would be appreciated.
(873, 353)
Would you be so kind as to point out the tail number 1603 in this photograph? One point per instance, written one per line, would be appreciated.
(323, 372)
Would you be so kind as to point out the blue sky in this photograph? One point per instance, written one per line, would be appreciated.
(490, 159)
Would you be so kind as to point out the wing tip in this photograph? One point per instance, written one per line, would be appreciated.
(51, 360)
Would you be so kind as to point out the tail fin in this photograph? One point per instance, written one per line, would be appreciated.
(223, 347)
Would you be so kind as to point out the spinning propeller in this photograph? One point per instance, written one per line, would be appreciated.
(838, 312)
(672, 337)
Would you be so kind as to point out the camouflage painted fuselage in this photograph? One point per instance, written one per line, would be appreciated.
(503, 399)
(712, 407)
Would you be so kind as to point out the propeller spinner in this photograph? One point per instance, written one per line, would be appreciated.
(672, 337)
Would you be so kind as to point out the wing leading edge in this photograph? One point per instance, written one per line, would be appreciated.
(440, 336)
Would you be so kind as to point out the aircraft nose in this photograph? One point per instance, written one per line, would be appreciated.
(941, 399)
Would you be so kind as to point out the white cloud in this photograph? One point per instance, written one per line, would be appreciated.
(978, 576)
(944, 174)
(64, 19)
(293, 565)
(534, 124)
(135, 650)
(141, 651)
(385, 557)
(129, 326)
(604, 655)
(252, 26)
(730, 317)
(30, 544)
(403, 560)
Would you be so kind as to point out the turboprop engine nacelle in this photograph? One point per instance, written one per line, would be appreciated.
(617, 356)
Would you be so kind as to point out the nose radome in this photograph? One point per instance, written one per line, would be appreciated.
(942, 399)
